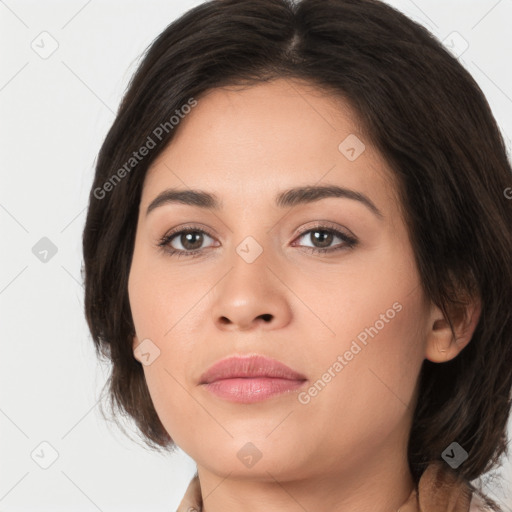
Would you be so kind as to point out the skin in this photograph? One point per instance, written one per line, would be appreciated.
(346, 449)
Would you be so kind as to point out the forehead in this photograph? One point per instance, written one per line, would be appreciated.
(270, 136)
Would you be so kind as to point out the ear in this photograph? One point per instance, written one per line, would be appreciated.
(441, 345)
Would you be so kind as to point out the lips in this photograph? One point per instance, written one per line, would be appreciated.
(250, 379)
(249, 367)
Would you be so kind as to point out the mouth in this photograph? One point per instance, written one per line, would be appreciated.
(250, 379)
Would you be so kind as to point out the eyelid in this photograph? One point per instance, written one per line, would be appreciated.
(324, 224)
(188, 227)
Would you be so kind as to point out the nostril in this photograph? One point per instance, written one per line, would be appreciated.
(267, 317)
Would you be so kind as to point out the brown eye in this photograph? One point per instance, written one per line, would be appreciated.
(190, 240)
(184, 242)
(323, 237)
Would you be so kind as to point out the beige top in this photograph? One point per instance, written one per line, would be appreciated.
(438, 491)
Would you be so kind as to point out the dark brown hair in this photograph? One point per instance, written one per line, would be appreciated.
(430, 121)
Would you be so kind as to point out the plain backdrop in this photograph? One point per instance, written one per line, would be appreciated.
(64, 67)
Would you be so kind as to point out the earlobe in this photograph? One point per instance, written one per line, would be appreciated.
(441, 344)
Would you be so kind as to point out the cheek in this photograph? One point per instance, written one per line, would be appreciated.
(376, 360)
(159, 297)
(173, 405)
(376, 335)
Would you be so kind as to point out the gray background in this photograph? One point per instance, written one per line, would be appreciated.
(55, 111)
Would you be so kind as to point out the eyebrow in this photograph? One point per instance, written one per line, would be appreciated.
(285, 199)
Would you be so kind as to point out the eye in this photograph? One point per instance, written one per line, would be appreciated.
(322, 238)
(190, 239)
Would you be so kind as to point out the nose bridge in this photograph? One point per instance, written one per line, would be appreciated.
(249, 275)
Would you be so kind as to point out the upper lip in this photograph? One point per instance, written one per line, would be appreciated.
(249, 366)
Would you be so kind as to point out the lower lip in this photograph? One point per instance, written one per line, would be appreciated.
(249, 390)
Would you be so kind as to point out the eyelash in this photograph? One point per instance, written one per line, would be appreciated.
(348, 241)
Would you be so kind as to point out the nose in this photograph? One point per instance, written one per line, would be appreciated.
(251, 296)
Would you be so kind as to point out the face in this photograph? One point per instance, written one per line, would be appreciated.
(326, 284)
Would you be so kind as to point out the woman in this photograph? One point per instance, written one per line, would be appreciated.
(297, 258)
